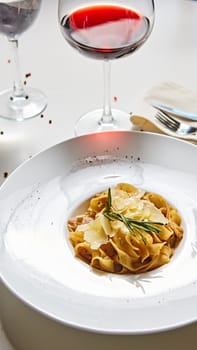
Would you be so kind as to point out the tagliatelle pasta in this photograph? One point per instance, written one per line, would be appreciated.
(126, 230)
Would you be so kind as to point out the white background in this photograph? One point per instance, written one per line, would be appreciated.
(74, 85)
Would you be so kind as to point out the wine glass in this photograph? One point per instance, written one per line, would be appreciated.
(106, 31)
(19, 103)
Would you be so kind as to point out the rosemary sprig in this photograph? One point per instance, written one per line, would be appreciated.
(132, 224)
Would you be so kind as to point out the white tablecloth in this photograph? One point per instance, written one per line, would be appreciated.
(74, 85)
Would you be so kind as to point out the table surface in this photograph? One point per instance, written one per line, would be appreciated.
(73, 84)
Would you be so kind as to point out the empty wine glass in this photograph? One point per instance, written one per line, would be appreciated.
(105, 30)
(19, 103)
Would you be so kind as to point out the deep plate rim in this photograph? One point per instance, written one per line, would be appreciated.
(13, 289)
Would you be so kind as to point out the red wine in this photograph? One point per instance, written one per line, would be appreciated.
(16, 17)
(105, 31)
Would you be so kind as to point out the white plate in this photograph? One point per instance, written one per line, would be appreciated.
(36, 258)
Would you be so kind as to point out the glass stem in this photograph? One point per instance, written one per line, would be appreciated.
(107, 116)
(18, 88)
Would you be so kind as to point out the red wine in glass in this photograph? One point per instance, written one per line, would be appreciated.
(105, 31)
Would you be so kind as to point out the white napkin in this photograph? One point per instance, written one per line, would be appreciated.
(173, 95)
(166, 93)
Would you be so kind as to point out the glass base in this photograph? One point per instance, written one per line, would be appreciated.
(24, 107)
(92, 122)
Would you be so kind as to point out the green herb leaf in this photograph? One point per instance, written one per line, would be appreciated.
(132, 224)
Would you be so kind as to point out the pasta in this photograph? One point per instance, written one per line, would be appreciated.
(126, 230)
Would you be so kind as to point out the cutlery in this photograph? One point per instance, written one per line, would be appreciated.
(174, 111)
(179, 127)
